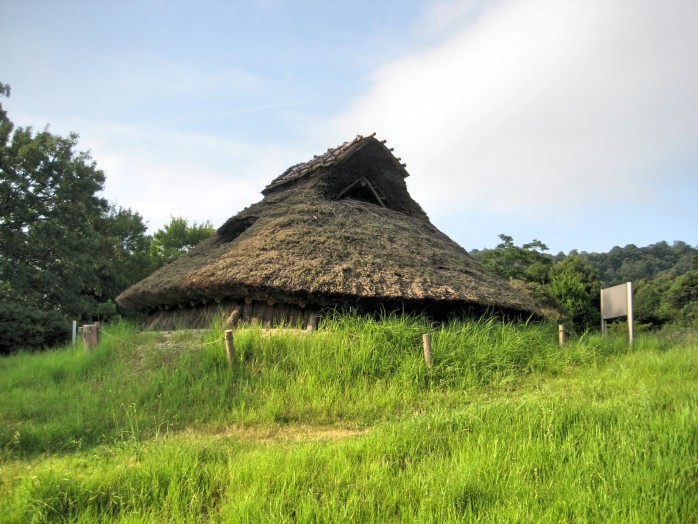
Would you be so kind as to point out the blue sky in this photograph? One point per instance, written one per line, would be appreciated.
(574, 122)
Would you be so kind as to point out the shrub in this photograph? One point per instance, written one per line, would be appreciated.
(22, 327)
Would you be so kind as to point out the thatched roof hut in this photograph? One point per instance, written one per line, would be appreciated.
(339, 230)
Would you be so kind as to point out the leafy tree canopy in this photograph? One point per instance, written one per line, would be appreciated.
(177, 238)
(49, 213)
(65, 252)
(681, 299)
(528, 262)
(577, 287)
(632, 263)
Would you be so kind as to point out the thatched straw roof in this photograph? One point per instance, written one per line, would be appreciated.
(340, 229)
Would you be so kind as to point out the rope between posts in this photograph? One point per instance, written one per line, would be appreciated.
(214, 342)
(115, 338)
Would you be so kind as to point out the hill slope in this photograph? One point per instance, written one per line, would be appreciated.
(349, 424)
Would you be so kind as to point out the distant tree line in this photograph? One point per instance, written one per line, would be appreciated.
(664, 277)
(65, 252)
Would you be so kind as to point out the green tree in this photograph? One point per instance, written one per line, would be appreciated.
(124, 254)
(64, 251)
(4, 91)
(177, 238)
(48, 211)
(680, 302)
(647, 301)
(528, 262)
(576, 286)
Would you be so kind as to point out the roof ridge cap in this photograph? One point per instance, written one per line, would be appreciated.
(331, 156)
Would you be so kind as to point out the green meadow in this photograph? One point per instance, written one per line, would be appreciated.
(349, 424)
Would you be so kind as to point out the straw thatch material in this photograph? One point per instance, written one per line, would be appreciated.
(340, 230)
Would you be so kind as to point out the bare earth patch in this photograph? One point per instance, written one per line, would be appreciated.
(293, 433)
(278, 434)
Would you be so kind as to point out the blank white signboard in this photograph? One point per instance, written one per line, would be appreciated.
(614, 301)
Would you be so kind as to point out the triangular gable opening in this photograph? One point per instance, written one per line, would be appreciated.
(364, 190)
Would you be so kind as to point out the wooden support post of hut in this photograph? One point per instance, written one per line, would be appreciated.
(562, 334)
(312, 323)
(235, 315)
(426, 341)
(229, 345)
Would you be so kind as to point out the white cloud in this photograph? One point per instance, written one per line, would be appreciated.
(535, 107)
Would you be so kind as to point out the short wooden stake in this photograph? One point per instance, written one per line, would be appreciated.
(85, 329)
(562, 334)
(229, 345)
(426, 341)
(89, 336)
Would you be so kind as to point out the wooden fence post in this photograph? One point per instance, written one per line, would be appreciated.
(229, 345)
(89, 336)
(85, 329)
(426, 341)
(562, 334)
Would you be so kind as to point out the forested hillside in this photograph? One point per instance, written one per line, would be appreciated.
(632, 263)
(664, 277)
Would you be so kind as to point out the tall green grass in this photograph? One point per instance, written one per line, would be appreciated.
(506, 426)
(356, 371)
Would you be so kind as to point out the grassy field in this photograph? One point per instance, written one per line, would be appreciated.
(348, 424)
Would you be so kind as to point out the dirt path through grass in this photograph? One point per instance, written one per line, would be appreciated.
(296, 433)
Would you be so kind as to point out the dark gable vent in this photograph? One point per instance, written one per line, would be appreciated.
(363, 190)
(235, 227)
